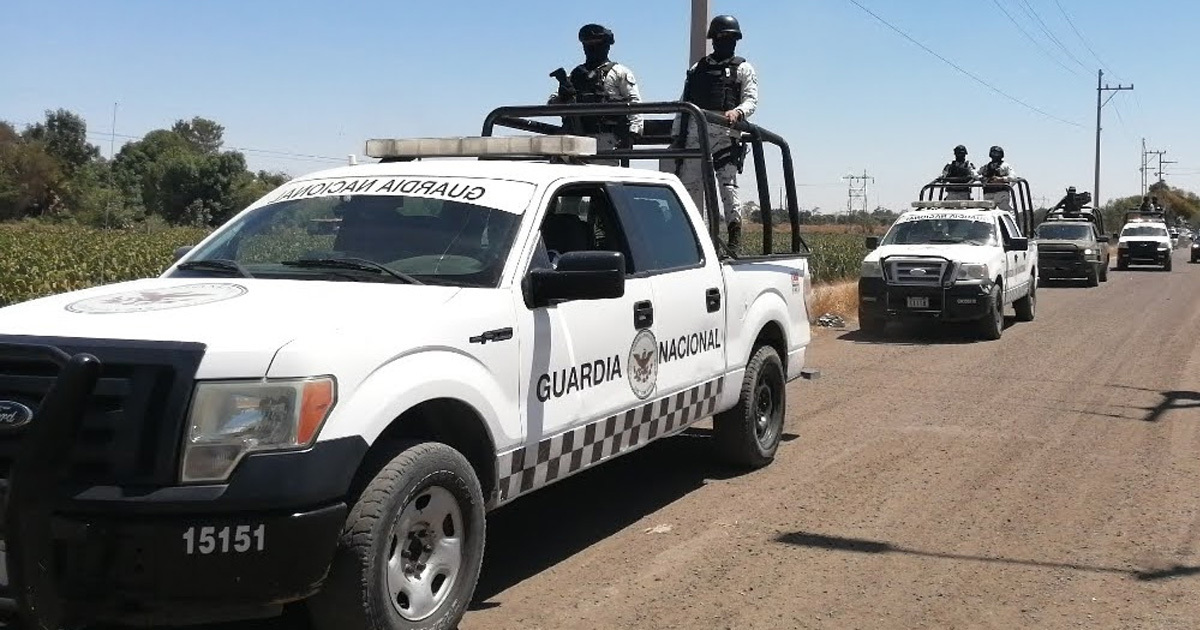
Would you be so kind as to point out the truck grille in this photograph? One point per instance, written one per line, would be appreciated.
(1143, 248)
(131, 432)
(1064, 255)
(924, 272)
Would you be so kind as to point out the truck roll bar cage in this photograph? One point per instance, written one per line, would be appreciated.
(1018, 190)
(649, 146)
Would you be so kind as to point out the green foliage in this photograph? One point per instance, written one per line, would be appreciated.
(835, 256)
(37, 259)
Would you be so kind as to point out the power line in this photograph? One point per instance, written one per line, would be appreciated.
(960, 69)
(1046, 30)
(1084, 40)
(1034, 41)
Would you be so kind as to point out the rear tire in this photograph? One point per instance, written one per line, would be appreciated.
(412, 547)
(992, 324)
(748, 435)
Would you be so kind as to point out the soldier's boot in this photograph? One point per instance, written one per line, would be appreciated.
(735, 235)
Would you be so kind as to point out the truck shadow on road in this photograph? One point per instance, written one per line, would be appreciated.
(540, 530)
(921, 334)
(860, 545)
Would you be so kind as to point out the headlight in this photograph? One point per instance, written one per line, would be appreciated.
(1195, 245)
(1088, 252)
(1162, 248)
(1123, 245)
(871, 269)
(972, 271)
(231, 419)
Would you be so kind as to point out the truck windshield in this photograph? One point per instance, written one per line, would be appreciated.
(1143, 230)
(941, 231)
(435, 241)
(1065, 232)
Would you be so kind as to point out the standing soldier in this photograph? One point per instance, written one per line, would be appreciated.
(958, 171)
(600, 80)
(998, 173)
(727, 84)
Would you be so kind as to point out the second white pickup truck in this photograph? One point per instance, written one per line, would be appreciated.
(322, 399)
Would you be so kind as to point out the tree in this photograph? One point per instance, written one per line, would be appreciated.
(64, 135)
(203, 134)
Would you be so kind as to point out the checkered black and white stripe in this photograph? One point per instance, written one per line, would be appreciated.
(553, 458)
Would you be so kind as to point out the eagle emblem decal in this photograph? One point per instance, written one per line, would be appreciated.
(643, 364)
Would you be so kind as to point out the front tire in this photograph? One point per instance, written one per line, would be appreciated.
(1093, 278)
(748, 435)
(1026, 307)
(1104, 271)
(992, 325)
(873, 326)
(411, 550)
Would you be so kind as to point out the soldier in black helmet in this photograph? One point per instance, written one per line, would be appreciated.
(727, 84)
(958, 171)
(601, 80)
(998, 173)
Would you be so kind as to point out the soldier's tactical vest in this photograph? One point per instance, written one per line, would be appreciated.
(714, 84)
(958, 172)
(589, 88)
(989, 170)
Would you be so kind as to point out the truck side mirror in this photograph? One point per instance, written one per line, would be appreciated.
(180, 252)
(1115, 236)
(1017, 244)
(1101, 239)
(584, 275)
(872, 242)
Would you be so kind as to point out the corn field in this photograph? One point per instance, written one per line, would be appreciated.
(40, 260)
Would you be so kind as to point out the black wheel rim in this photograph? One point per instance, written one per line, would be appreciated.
(768, 406)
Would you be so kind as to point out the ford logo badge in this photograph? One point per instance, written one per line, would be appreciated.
(917, 272)
(14, 415)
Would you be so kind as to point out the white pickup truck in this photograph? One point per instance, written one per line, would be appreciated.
(957, 260)
(322, 400)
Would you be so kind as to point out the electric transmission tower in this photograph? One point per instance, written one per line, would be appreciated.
(857, 194)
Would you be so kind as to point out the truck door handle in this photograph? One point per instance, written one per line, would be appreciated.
(712, 299)
(643, 315)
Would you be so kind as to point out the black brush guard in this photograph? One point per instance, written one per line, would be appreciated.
(32, 487)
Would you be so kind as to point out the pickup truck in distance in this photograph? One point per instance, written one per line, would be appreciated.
(319, 403)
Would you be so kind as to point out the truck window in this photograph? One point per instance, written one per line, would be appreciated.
(580, 218)
(1010, 227)
(656, 216)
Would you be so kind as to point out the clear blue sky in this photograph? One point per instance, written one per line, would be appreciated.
(846, 91)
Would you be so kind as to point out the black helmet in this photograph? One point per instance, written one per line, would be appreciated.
(724, 24)
(996, 152)
(960, 149)
(593, 32)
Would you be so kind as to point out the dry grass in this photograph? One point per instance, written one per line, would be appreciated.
(839, 298)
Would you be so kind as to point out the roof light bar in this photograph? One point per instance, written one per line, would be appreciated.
(962, 204)
(479, 146)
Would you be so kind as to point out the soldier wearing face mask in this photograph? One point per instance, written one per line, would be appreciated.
(727, 84)
(599, 80)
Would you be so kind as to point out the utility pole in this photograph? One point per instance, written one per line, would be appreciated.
(699, 32)
(1146, 166)
(857, 192)
(1160, 165)
(1100, 90)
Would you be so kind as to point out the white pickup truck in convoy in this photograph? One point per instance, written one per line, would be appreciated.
(956, 260)
(321, 400)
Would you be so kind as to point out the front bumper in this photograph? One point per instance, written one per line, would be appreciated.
(171, 570)
(1127, 256)
(959, 302)
(1064, 267)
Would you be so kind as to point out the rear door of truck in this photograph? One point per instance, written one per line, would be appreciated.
(689, 292)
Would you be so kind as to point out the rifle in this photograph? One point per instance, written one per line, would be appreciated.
(567, 94)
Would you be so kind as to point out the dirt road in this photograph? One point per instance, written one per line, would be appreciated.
(1050, 479)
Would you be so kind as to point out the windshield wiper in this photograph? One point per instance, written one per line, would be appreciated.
(945, 240)
(215, 264)
(360, 264)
